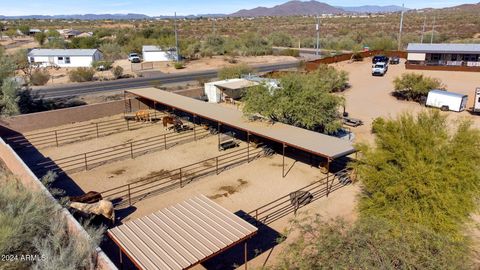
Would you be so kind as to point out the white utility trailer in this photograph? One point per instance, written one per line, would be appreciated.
(476, 102)
(447, 101)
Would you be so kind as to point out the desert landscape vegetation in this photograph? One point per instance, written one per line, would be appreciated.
(402, 193)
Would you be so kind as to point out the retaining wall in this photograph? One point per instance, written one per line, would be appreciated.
(16, 165)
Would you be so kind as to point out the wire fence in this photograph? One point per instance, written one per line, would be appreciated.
(63, 136)
(90, 160)
(283, 206)
(177, 178)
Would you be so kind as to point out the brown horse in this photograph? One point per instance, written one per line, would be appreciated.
(166, 120)
(142, 115)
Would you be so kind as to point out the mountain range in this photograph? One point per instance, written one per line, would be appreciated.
(290, 8)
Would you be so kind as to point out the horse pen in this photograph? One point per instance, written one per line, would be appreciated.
(140, 165)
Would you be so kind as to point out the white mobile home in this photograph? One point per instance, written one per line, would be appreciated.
(157, 54)
(447, 101)
(64, 57)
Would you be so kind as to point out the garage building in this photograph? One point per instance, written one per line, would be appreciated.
(156, 54)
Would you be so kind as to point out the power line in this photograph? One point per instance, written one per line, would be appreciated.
(317, 27)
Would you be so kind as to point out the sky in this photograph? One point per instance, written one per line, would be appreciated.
(182, 7)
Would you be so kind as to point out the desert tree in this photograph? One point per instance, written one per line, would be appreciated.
(414, 86)
(40, 37)
(235, 71)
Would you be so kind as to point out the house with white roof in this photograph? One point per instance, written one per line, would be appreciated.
(64, 57)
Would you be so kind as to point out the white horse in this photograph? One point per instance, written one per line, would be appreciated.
(102, 207)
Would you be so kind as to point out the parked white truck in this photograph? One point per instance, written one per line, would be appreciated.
(476, 102)
(379, 68)
(447, 101)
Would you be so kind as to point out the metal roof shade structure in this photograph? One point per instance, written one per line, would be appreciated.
(182, 235)
(443, 48)
(235, 84)
(309, 141)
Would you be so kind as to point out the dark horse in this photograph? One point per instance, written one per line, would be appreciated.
(172, 121)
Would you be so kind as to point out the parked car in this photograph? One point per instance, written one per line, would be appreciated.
(379, 68)
(395, 60)
(380, 58)
(135, 59)
(132, 56)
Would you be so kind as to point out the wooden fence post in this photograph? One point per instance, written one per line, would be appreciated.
(216, 162)
(56, 138)
(86, 164)
(131, 149)
(165, 141)
(129, 197)
(96, 124)
(181, 186)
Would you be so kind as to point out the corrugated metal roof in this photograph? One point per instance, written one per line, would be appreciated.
(181, 235)
(310, 141)
(62, 52)
(443, 48)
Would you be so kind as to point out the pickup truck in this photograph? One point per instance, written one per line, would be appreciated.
(379, 68)
(134, 58)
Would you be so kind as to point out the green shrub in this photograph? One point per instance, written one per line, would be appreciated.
(290, 52)
(117, 72)
(82, 74)
(235, 71)
(40, 77)
(102, 65)
(413, 86)
(357, 57)
(178, 65)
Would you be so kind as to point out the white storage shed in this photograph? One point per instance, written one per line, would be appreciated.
(64, 57)
(232, 88)
(157, 54)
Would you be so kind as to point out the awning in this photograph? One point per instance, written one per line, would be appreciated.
(182, 235)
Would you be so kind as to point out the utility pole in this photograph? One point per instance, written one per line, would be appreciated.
(401, 29)
(317, 28)
(423, 29)
(433, 30)
(176, 37)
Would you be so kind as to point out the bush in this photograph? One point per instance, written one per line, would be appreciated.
(117, 72)
(82, 74)
(102, 65)
(412, 86)
(235, 71)
(178, 65)
(290, 52)
(357, 57)
(40, 77)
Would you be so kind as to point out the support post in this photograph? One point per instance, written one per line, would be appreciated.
(245, 251)
(218, 129)
(120, 257)
(194, 128)
(155, 110)
(181, 186)
(248, 147)
(86, 164)
(129, 197)
(216, 165)
(96, 125)
(328, 176)
(128, 124)
(56, 138)
(165, 141)
(283, 160)
(131, 149)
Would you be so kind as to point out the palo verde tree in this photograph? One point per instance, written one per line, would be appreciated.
(303, 100)
(420, 184)
(413, 86)
(235, 71)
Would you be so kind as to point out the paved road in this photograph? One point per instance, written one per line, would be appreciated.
(123, 84)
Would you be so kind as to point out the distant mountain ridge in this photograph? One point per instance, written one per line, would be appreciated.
(290, 8)
(374, 9)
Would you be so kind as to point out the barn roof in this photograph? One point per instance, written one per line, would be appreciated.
(299, 138)
(182, 235)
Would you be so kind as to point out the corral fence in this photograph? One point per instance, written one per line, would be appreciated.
(177, 178)
(145, 66)
(313, 65)
(90, 160)
(283, 206)
(63, 136)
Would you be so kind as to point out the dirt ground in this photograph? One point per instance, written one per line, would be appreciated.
(18, 43)
(369, 97)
